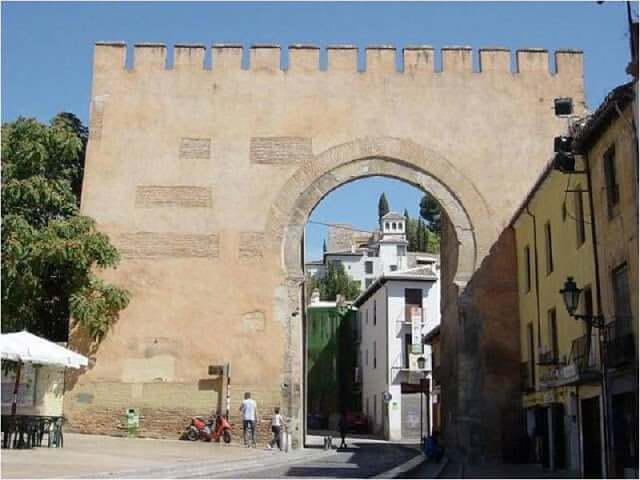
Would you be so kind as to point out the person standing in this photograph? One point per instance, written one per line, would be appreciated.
(277, 422)
(249, 410)
(343, 424)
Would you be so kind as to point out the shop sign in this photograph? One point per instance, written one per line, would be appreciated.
(416, 330)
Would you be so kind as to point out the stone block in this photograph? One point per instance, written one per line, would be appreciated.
(195, 148)
(280, 150)
(185, 196)
(172, 245)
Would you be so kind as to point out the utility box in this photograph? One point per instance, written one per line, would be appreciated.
(132, 417)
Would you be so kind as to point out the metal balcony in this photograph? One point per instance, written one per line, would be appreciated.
(619, 343)
(548, 358)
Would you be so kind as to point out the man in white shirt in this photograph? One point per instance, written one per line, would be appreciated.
(249, 410)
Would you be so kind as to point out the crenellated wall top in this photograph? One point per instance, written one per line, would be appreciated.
(377, 58)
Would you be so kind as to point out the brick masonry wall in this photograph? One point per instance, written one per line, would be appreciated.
(165, 408)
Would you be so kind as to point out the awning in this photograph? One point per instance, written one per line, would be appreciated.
(26, 347)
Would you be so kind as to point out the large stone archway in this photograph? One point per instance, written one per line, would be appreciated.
(384, 156)
(465, 208)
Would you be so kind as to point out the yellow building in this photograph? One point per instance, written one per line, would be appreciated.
(608, 142)
(559, 354)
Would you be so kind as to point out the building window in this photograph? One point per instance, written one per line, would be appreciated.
(386, 225)
(366, 358)
(553, 333)
(401, 250)
(611, 183)
(368, 282)
(407, 349)
(375, 313)
(375, 355)
(527, 269)
(621, 296)
(393, 226)
(368, 267)
(366, 406)
(563, 211)
(548, 246)
(530, 358)
(401, 226)
(412, 299)
(393, 268)
(579, 211)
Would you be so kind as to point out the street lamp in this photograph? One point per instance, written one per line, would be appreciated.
(571, 297)
(422, 362)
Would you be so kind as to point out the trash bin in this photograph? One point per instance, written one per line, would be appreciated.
(133, 421)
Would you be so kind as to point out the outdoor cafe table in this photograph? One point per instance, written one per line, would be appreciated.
(27, 431)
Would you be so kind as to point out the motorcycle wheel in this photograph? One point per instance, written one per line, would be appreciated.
(192, 434)
(226, 436)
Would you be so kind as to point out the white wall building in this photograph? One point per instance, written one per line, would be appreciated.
(388, 361)
(383, 252)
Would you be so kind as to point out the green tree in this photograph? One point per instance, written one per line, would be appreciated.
(335, 282)
(430, 212)
(383, 206)
(49, 251)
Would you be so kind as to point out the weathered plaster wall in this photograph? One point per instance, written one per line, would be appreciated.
(481, 353)
(204, 180)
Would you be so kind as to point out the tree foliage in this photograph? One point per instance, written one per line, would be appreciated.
(430, 212)
(383, 206)
(335, 282)
(49, 250)
(420, 238)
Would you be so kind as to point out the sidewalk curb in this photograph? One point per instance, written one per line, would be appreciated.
(403, 468)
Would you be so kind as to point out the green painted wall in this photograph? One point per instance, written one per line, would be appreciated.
(331, 357)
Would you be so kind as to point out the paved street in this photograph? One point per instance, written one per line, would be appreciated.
(363, 459)
(449, 469)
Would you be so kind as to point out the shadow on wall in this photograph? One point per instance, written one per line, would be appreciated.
(481, 354)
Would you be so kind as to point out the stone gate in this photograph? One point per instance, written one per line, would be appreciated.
(204, 178)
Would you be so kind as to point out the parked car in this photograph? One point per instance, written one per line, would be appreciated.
(317, 422)
(358, 422)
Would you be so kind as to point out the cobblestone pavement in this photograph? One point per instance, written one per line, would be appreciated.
(362, 459)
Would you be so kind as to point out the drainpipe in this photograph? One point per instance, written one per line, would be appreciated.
(601, 344)
(535, 260)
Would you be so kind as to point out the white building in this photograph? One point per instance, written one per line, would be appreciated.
(365, 259)
(394, 313)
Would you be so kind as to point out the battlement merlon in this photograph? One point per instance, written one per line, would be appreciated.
(381, 59)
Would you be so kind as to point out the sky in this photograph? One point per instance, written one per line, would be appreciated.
(47, 52)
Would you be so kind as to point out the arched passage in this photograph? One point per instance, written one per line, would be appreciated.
(318, 176)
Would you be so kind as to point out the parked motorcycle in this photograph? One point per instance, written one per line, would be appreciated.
(215, 427)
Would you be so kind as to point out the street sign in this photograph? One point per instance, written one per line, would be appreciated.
(416, 330)
(386, 396)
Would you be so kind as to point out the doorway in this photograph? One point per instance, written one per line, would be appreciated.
(591, 439)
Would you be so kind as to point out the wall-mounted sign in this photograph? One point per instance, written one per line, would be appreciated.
(416, 330)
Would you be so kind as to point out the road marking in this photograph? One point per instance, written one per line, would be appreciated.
(402, 468)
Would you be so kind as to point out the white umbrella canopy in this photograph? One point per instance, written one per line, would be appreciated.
(26, 347)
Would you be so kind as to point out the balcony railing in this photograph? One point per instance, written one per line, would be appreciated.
(584, 353)
(548, 357)
(619, 343)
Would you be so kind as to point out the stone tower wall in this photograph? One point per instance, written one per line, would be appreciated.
(204, 177)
